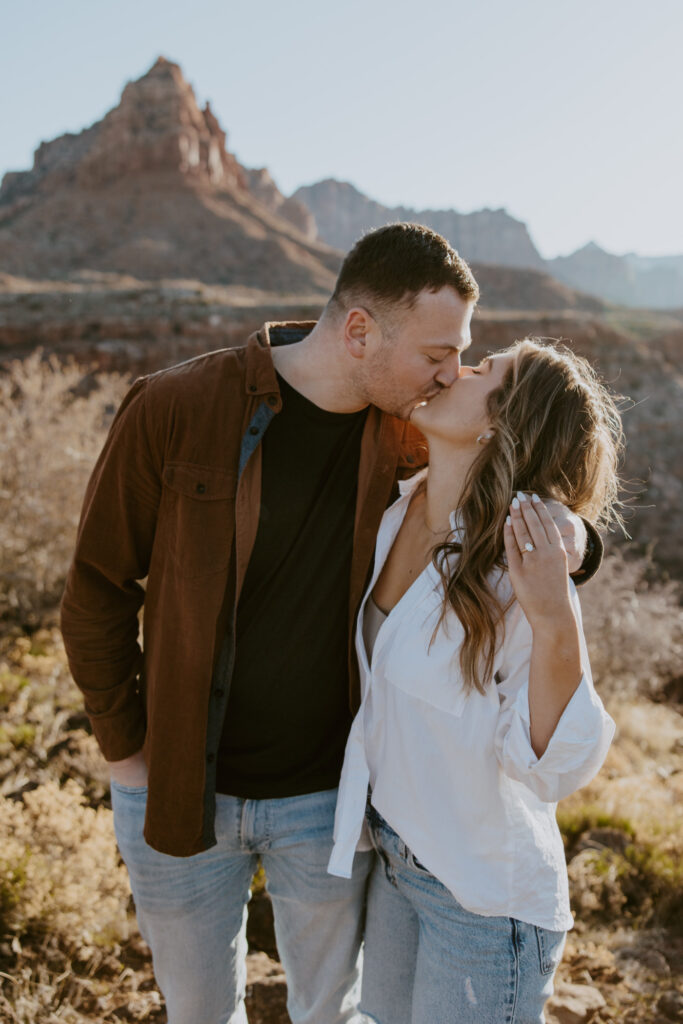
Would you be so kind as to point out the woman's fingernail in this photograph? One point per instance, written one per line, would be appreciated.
(535, 497)
(508, 521)
(515, 502)
(521, 495)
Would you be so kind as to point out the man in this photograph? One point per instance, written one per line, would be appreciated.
(247, 485)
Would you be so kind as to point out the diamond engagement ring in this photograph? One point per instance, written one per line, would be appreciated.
(529, 547)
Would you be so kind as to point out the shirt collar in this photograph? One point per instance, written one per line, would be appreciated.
(408, 486)
(260, 378)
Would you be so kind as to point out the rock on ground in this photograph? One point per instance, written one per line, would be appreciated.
(574, 1004)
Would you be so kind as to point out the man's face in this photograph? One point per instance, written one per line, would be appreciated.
(420, 355)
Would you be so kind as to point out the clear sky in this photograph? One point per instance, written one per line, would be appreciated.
(565, 112)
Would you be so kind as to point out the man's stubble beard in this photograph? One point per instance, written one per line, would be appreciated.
(375, 381)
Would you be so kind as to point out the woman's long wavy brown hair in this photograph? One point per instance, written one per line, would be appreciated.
(557, 433)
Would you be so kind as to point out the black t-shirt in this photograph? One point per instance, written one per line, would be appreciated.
(288, 714)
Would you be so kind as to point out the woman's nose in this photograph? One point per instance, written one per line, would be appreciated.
(466, 371)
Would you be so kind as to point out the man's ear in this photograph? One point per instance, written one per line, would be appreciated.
(357, 325)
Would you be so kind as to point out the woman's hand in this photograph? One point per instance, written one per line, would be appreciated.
(573, 533)
(537, 561)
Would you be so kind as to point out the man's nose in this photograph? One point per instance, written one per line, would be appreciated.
(449, 371)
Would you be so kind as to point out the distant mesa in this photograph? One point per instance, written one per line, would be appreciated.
(654, 282)
(342, 213)
(493, 237)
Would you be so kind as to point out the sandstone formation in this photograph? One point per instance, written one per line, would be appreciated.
(151, 190)
(342, 214)
(132, 326)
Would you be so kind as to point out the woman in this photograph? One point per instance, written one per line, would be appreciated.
(478, 710)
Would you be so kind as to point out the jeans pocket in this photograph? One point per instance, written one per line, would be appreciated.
(550, 948)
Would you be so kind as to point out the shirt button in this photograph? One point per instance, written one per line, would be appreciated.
(219, 693)
(272, 399)
(201, 488)
(210, 758)
(252, 388)
(253, 430)
(410, 459)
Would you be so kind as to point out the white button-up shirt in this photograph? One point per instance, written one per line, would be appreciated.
(454, 773)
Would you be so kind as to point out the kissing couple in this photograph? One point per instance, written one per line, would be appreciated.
(363, 665)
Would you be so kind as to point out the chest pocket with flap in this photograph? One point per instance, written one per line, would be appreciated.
(197, 517)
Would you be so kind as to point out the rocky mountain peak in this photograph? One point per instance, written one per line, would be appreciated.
(157, 126)
(152, 190)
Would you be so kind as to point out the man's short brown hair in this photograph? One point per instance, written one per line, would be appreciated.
(390, 266)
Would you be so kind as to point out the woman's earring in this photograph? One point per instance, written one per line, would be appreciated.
(483, 438)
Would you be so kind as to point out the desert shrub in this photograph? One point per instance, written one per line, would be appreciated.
(634, 627)
(60, 871)
(53, 421)
(642, 884)
(653, 885)
(44, 733)
(573, 821)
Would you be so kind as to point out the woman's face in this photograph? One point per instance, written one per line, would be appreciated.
(458, 413)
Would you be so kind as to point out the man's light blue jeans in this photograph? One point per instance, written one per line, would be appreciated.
(427, 960)
(192, 910)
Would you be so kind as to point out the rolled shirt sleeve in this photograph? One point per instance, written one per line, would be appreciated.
(579, 744)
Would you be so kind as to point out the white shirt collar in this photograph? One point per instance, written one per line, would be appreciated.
(409, 485)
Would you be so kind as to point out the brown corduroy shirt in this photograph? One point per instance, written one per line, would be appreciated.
(174, 498)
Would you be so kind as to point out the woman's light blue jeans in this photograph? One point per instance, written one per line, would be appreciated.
(192, 910)
(427, 960)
